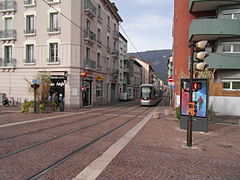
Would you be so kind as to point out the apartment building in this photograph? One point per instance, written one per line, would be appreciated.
(76, 42)
(218, 23)
(123, 71)
(147, 71)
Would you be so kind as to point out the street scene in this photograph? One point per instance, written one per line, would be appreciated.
(113, 89)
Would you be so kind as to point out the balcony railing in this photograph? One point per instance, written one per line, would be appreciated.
(115, 53)
(126, 69)
(90, 9)
(30, 31)
(115, 72)
(8, 63)
(53, 29)
(90, 64)
(90, 36)
(223, 61)
(8, 5)
(212, 29)
(99, 66)
(29, 2)
(29, 61)
(9, 34)
(208, 5)
(54, 60)
(53, 1)
(115, 35)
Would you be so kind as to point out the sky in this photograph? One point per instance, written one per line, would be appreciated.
(148, 23)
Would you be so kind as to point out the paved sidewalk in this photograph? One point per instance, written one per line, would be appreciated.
(159, 151)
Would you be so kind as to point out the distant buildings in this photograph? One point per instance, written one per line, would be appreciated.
(219, 23)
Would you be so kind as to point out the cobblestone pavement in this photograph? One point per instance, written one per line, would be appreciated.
(159, 151)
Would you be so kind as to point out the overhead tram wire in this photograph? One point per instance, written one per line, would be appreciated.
(71, 21)
(138, 53)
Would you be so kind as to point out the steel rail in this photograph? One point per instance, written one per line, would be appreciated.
(52, 127)
(80, 149)
(56, 137)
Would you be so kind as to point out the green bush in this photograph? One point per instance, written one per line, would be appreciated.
(177, 112)
(28, 107)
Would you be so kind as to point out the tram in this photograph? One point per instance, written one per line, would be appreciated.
(149, 95)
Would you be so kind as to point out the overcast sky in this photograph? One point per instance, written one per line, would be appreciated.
(148, 23)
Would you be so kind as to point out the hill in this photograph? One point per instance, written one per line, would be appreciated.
(158, 59)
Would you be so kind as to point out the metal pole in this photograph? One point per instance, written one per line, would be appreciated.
(35, 103)
(170, 96)
(189, 123)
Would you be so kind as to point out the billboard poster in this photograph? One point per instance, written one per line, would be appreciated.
(200, 96)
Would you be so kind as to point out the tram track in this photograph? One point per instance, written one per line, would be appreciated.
(60, 125)
(80, 149)
(59, 136)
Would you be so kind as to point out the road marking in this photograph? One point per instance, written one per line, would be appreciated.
(93, 170)
(40, 119)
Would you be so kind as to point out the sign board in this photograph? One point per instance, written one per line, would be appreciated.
(200, 96)
(99, 78)
(34, 81)
(170, 79)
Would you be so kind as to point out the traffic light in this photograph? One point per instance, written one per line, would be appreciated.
(200, 55)
(192, 108)
(84, 74)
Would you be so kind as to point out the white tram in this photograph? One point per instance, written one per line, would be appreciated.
(149, 94)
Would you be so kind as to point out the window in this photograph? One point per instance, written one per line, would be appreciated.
(88, 24)
(233, 15)
(8, 23)
(29, 2)
(98, 59)
(53, 25)
(99, 11)
(99, 35)
(7, 54)
(29, 24)
(53, 52)
(108, 42)
(53, 1)
(99, 89)
(29, 53)
(87, 53)
(108, 21)
(231, 85)
(231, 47)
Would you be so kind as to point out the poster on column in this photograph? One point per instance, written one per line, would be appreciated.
(200, 96)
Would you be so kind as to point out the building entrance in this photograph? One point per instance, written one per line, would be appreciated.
(87, 93)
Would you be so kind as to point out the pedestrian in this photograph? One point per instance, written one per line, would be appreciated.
(55, 98)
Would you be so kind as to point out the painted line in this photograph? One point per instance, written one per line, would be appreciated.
(40, 119)
(93, 170)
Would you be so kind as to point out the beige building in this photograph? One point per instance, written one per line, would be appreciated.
(122, 58)
(65, 38)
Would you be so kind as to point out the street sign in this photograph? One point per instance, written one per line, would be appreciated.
(170, 79)
(34, 81)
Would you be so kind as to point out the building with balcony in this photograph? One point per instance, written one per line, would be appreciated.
(123, 74)
(217, 22)
(35, 37)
